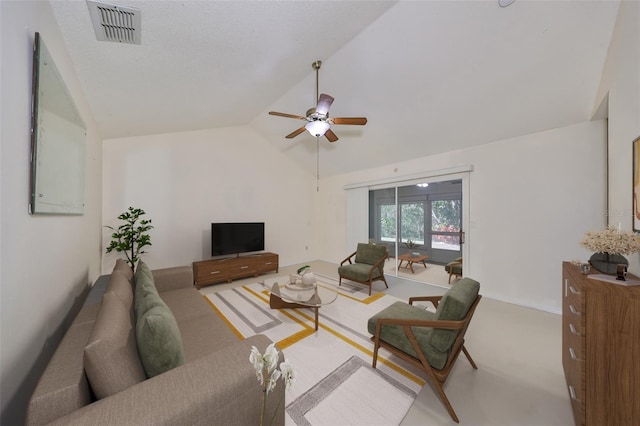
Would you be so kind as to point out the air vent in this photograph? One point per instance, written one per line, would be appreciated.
(115, 23)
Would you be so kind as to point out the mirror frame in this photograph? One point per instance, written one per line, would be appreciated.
(58, 141)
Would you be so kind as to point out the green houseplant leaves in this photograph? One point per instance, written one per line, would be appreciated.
(131, 237)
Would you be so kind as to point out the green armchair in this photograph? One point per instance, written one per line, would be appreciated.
(430, 341)
(454, 268)
(365, 265)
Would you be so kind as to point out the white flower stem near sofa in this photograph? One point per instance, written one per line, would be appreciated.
(194, 374)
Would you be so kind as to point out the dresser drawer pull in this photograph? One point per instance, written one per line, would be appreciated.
(573, 310)
(573, 355)
(573, 290)
(268, 263)
(572, 392)
(244, 267)
(214, 272)
(573, 330)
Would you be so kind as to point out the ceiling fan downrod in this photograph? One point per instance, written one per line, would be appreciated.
(316, 66)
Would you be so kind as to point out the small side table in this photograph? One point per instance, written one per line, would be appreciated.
(411, 260)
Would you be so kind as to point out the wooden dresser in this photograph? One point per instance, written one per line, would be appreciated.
(213, 271)
(601, 349)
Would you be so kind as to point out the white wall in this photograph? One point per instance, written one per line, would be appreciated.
(531, 201)
(621, 81)
(185, 181)
(47, 262)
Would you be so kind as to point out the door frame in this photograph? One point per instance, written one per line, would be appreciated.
(462, 173)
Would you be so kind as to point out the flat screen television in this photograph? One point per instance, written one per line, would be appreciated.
(236, 238)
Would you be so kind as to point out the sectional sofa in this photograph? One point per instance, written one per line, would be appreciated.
(176, 364)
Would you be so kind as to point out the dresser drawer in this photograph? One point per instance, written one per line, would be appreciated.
(574, 296)
(575, 387)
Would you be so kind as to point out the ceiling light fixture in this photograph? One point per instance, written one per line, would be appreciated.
(317, 128)
(505, 3)
(422, 185)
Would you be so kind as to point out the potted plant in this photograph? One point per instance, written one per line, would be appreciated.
(609, 245)
(411, 245)
(131, 237)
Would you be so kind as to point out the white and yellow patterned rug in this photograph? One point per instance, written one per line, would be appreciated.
(335, 384)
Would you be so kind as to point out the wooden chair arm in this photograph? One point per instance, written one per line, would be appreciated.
(379, 264)
(348, 259)
(432, 299)
(449, 325)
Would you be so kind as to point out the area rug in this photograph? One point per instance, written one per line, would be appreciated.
(335, 384)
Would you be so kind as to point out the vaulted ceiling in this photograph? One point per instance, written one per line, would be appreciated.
(430, 76)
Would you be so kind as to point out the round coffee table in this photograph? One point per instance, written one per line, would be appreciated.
(290, 296)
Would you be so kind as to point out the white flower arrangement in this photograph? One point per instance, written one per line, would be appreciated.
(268, 375)
(611, 240)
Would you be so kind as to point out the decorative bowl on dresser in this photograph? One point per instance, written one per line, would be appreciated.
(601, 348)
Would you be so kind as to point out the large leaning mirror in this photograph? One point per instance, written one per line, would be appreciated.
(58, 139)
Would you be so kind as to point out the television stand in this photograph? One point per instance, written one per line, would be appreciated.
(216, 271)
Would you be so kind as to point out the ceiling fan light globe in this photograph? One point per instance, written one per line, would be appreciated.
(317, 128)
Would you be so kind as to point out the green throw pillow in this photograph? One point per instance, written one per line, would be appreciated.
(146, 295)
(159, 341)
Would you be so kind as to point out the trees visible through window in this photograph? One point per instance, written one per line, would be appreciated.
(388, 224)
(445, 224)
(412, 222)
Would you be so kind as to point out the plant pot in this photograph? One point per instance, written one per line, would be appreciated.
(607, 263)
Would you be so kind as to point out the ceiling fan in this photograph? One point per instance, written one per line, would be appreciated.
(318, 121)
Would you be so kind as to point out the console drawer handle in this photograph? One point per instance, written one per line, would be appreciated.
(573, 330)
(572, 392)
(244, 267)
(573, 290)
(267, 263)
(573, 310)
(214, 272)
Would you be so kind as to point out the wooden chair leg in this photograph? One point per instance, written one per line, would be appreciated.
(376, 346)
(466, 353)
(445, 401)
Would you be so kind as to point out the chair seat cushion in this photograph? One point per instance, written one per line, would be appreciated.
(395, 335)
(358, 272)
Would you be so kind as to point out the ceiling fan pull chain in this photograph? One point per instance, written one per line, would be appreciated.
(317, 164)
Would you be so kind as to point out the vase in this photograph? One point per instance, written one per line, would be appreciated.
(607, 263)
(308, 279)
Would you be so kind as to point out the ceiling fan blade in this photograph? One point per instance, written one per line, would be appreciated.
(331, 136)
(282, 114)
(295, 133)
(358, 121)
(324, 103)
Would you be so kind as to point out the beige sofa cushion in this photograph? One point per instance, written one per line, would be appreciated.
(124, 268)
(63, 387)
(121, 286)
(111, 359)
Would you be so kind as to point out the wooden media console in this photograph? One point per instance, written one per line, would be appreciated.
(215, 271)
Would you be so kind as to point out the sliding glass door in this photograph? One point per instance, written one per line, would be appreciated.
(422, 219)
